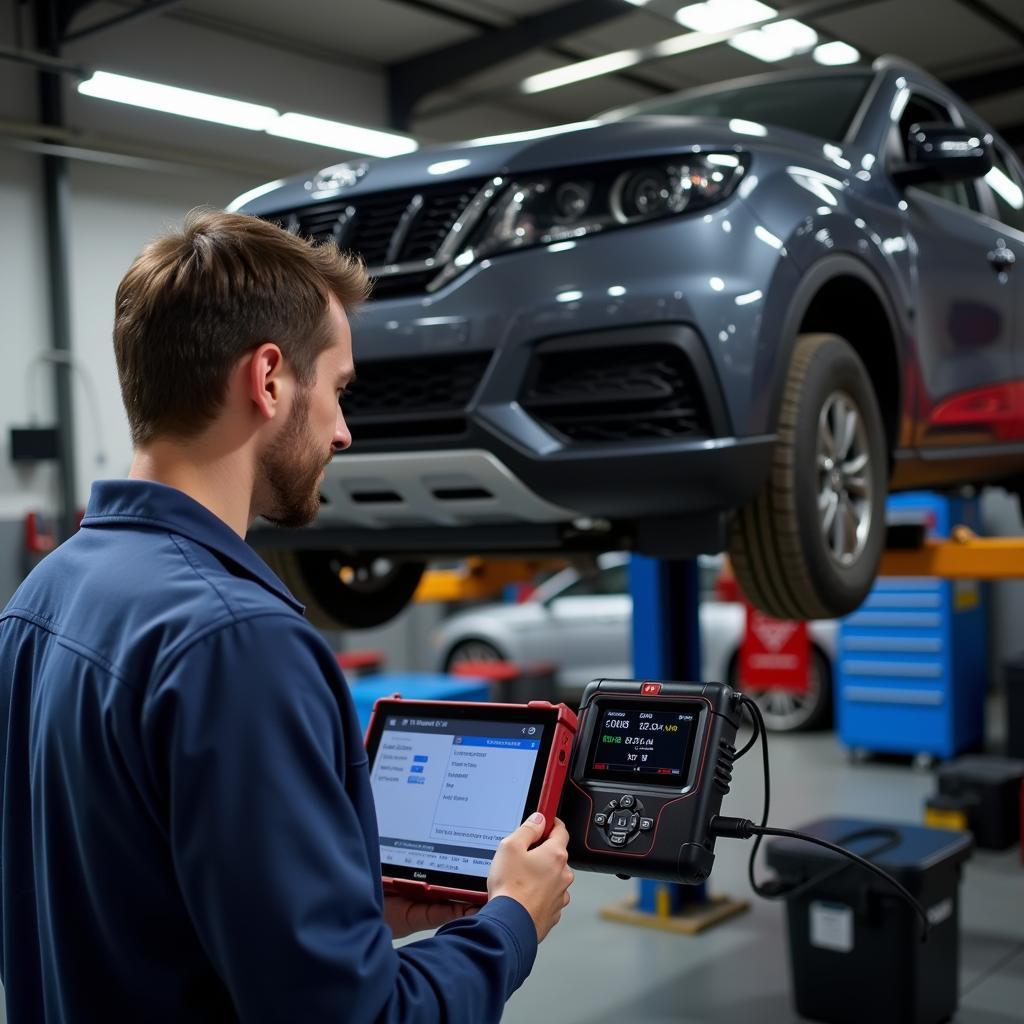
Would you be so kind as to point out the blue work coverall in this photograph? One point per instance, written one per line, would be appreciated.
(187, 830)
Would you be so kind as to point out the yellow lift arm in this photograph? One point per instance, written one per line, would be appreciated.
(965, 556)
(478, 579)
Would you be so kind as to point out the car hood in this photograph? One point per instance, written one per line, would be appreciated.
(525, 152)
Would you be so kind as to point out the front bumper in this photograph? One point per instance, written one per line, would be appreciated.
(458, 434)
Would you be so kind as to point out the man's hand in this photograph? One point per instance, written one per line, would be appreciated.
(539, 879)
(405, 916)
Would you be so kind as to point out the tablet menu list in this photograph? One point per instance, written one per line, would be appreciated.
(448, 791)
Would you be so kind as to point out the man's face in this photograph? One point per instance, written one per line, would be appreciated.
(292, 467)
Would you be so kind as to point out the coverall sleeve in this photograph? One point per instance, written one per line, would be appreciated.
(247, 746)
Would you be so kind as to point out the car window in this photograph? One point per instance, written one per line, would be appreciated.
(613, 580)
(824, 105)
(922, 110)
(1004, 184)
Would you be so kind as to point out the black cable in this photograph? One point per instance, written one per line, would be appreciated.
(893, 838)
(753, 736)
(741, 828)
(762, 731)
(857, 859)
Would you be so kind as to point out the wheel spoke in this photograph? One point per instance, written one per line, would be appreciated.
(852, 525)
(826, 437)
(857, 485)
(829, 516)
(848, 431)
(855, 465)
(839, 536)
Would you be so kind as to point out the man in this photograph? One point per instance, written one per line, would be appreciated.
(187, 826)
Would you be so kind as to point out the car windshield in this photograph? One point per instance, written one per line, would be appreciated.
(822, 105)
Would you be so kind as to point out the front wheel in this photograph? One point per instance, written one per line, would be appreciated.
(342, 592)
(808, 546)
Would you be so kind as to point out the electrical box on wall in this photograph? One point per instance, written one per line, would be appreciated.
(34, 444)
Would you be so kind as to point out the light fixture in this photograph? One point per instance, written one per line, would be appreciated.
(337, 135)
(777, 41)
(204, 106)
(719, 15)
(835, 53)
(580, 71)
(184, 102)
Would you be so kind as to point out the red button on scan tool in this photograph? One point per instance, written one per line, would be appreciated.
(651, 688)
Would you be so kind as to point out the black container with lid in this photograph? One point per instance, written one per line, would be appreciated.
(855, 946)
(990, 788)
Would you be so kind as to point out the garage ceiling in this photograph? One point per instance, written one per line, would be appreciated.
(976, 46)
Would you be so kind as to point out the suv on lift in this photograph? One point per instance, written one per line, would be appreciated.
(732, 317)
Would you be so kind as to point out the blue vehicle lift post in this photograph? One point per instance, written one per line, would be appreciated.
(666, 645)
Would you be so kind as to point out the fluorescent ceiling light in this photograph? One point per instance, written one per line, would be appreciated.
(836, 52)
(719, 15)
(206, 107)
(686, 42)
(776, 41)
(338, 135)
(580, 71)
(184, 102)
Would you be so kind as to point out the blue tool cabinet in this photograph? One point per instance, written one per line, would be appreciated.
(912, 661)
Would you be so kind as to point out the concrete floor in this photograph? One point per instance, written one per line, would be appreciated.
(590, 971)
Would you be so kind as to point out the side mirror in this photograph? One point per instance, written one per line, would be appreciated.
(944, 152)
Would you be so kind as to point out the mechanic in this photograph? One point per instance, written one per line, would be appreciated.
(188, 831)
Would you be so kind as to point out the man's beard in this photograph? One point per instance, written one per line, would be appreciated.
(291, 469)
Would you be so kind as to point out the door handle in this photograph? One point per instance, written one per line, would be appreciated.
(1002, 258)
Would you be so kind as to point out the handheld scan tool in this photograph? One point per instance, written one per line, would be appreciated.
(651, 765)
(450, 780)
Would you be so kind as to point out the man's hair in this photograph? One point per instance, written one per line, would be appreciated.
(196, 300)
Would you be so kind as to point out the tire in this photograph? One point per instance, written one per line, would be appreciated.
(472, 649)
(790, 712)
(340, 592)
(790, 560)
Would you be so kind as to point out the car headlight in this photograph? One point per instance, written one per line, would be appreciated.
(569, 204)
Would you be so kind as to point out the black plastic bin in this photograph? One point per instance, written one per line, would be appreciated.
(990, 789)
(855, 947)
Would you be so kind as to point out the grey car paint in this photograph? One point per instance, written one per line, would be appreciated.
(740, 276)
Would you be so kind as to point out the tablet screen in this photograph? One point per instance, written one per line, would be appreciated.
(449, 787)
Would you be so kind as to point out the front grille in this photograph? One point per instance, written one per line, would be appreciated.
(406, 226)
(628, 393)
(413, 398)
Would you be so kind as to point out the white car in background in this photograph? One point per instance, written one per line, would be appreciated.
(582, 623)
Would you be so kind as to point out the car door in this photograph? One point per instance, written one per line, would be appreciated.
(590, 623)
(965, 297)
(1002, 193)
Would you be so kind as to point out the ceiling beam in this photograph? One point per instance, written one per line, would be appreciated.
(1000, 21)
(135, 14)
(410, 80)
(984, 84)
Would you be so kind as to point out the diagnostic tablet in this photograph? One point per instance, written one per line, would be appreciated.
(450, 780)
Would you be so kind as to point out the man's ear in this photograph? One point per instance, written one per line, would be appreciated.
(267, 379)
